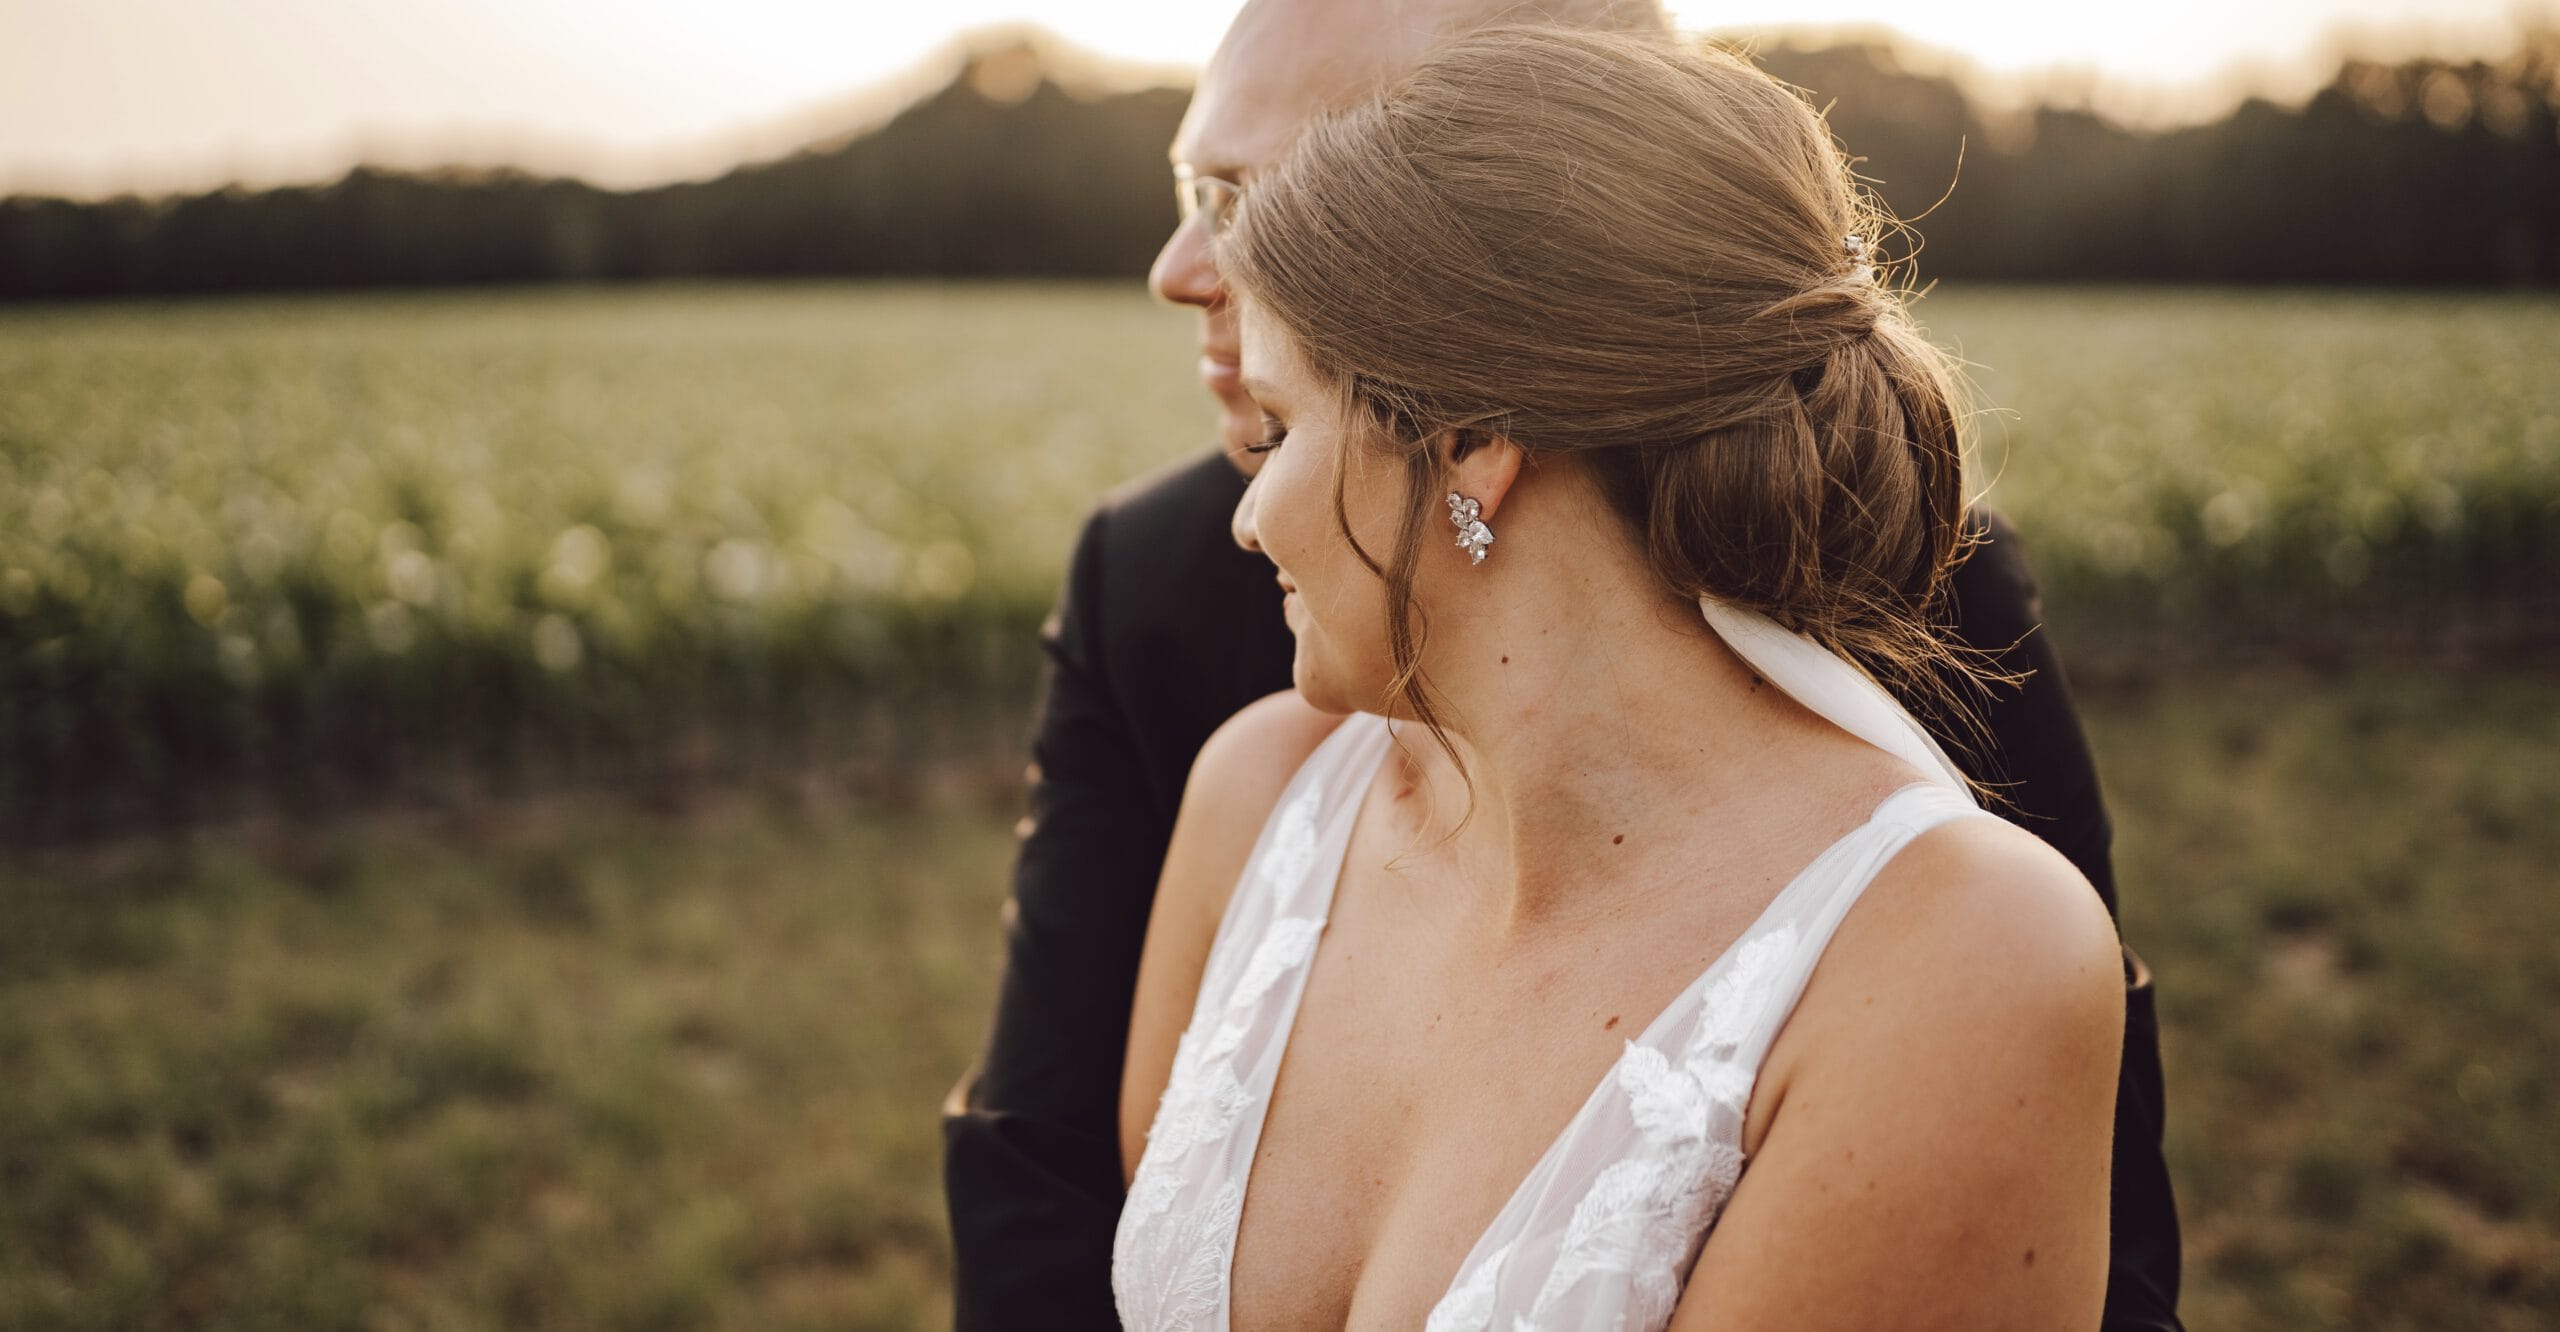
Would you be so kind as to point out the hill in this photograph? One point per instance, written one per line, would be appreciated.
(2419, 172)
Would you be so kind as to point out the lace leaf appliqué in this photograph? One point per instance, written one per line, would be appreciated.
(1469, 1304)
(1643, 1217)
(1291, 856)
(1172, 1268)
(1170, 1254)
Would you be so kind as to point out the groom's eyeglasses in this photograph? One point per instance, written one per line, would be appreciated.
(1196, 194)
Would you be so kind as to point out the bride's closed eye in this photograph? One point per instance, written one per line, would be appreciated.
(1272, 434)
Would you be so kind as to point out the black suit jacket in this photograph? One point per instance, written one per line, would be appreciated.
(1165, 629)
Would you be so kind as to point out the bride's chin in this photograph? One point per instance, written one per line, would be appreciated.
(1320, 689)
(1330, 694)
(1313, 690)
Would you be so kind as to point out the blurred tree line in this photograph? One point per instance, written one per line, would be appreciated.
(2423, 171)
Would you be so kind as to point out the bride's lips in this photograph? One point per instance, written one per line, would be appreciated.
(1222, 374)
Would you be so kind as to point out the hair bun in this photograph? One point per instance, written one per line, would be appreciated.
(1659, 267)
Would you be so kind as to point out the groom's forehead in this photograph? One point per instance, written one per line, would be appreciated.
(1284, 61)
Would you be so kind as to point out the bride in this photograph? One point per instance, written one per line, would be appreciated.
(1585, 942)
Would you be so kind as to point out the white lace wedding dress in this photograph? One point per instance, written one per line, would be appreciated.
(1605, 1228)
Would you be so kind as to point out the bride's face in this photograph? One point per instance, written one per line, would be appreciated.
(1336, 606)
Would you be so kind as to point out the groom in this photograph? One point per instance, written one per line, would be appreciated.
(1165, 627)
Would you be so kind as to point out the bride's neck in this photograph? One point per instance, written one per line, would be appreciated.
(1591, 710)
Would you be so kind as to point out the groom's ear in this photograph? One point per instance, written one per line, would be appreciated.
(1482, 464)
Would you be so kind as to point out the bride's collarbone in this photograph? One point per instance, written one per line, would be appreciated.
(1428, 1073)
(1689, 854)
(1428, 949)
(1437, 1054)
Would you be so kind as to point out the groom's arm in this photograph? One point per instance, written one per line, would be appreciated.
(2040, 759)
(1031, 1165)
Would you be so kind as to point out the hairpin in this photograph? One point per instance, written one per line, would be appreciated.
(1855, 246)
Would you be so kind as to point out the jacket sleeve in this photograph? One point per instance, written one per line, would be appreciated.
(2037, 757)
(1031, 1161)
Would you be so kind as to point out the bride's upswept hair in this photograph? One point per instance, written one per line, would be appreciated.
(1635, 253)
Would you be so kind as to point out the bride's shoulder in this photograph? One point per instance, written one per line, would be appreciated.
(1989, 877)
(1248, 761)
(1980, 911)
(1929, 1136)
(1977, 946)
(1931, 1129)
(1264, 743)
(1235, 781)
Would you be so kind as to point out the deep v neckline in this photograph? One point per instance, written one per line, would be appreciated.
(1769, 916)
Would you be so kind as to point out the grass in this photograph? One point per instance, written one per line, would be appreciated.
(2267, 467)
(579, 1069)
(668, 1059)
(327, 543)
(322, 541)
(2347, 893)
(588, 1065)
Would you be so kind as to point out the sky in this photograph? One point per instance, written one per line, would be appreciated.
(104, 95)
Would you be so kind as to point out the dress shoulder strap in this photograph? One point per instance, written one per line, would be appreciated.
(1282, 874)
(1605, 1228)
(1176, 1235)
(1799, 926)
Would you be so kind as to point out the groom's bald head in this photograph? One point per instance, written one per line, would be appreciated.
(1281, 64)
(1283, 61)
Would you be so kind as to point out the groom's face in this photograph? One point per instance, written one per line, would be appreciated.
(1282, 62)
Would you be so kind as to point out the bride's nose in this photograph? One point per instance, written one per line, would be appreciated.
(1241, 524)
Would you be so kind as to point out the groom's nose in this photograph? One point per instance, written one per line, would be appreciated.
(1184, 272)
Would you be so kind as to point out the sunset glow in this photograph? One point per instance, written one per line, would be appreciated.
(111, 94)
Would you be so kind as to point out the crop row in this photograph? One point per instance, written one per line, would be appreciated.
(265, 539)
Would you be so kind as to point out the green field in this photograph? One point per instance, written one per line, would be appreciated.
(570, 1065)
(337, 543)
(591, 724)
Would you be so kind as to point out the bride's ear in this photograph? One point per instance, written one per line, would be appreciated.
(1482, 465)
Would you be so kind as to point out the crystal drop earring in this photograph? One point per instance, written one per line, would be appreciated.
(1473, 535)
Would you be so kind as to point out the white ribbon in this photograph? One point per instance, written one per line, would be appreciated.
(1830, 688)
